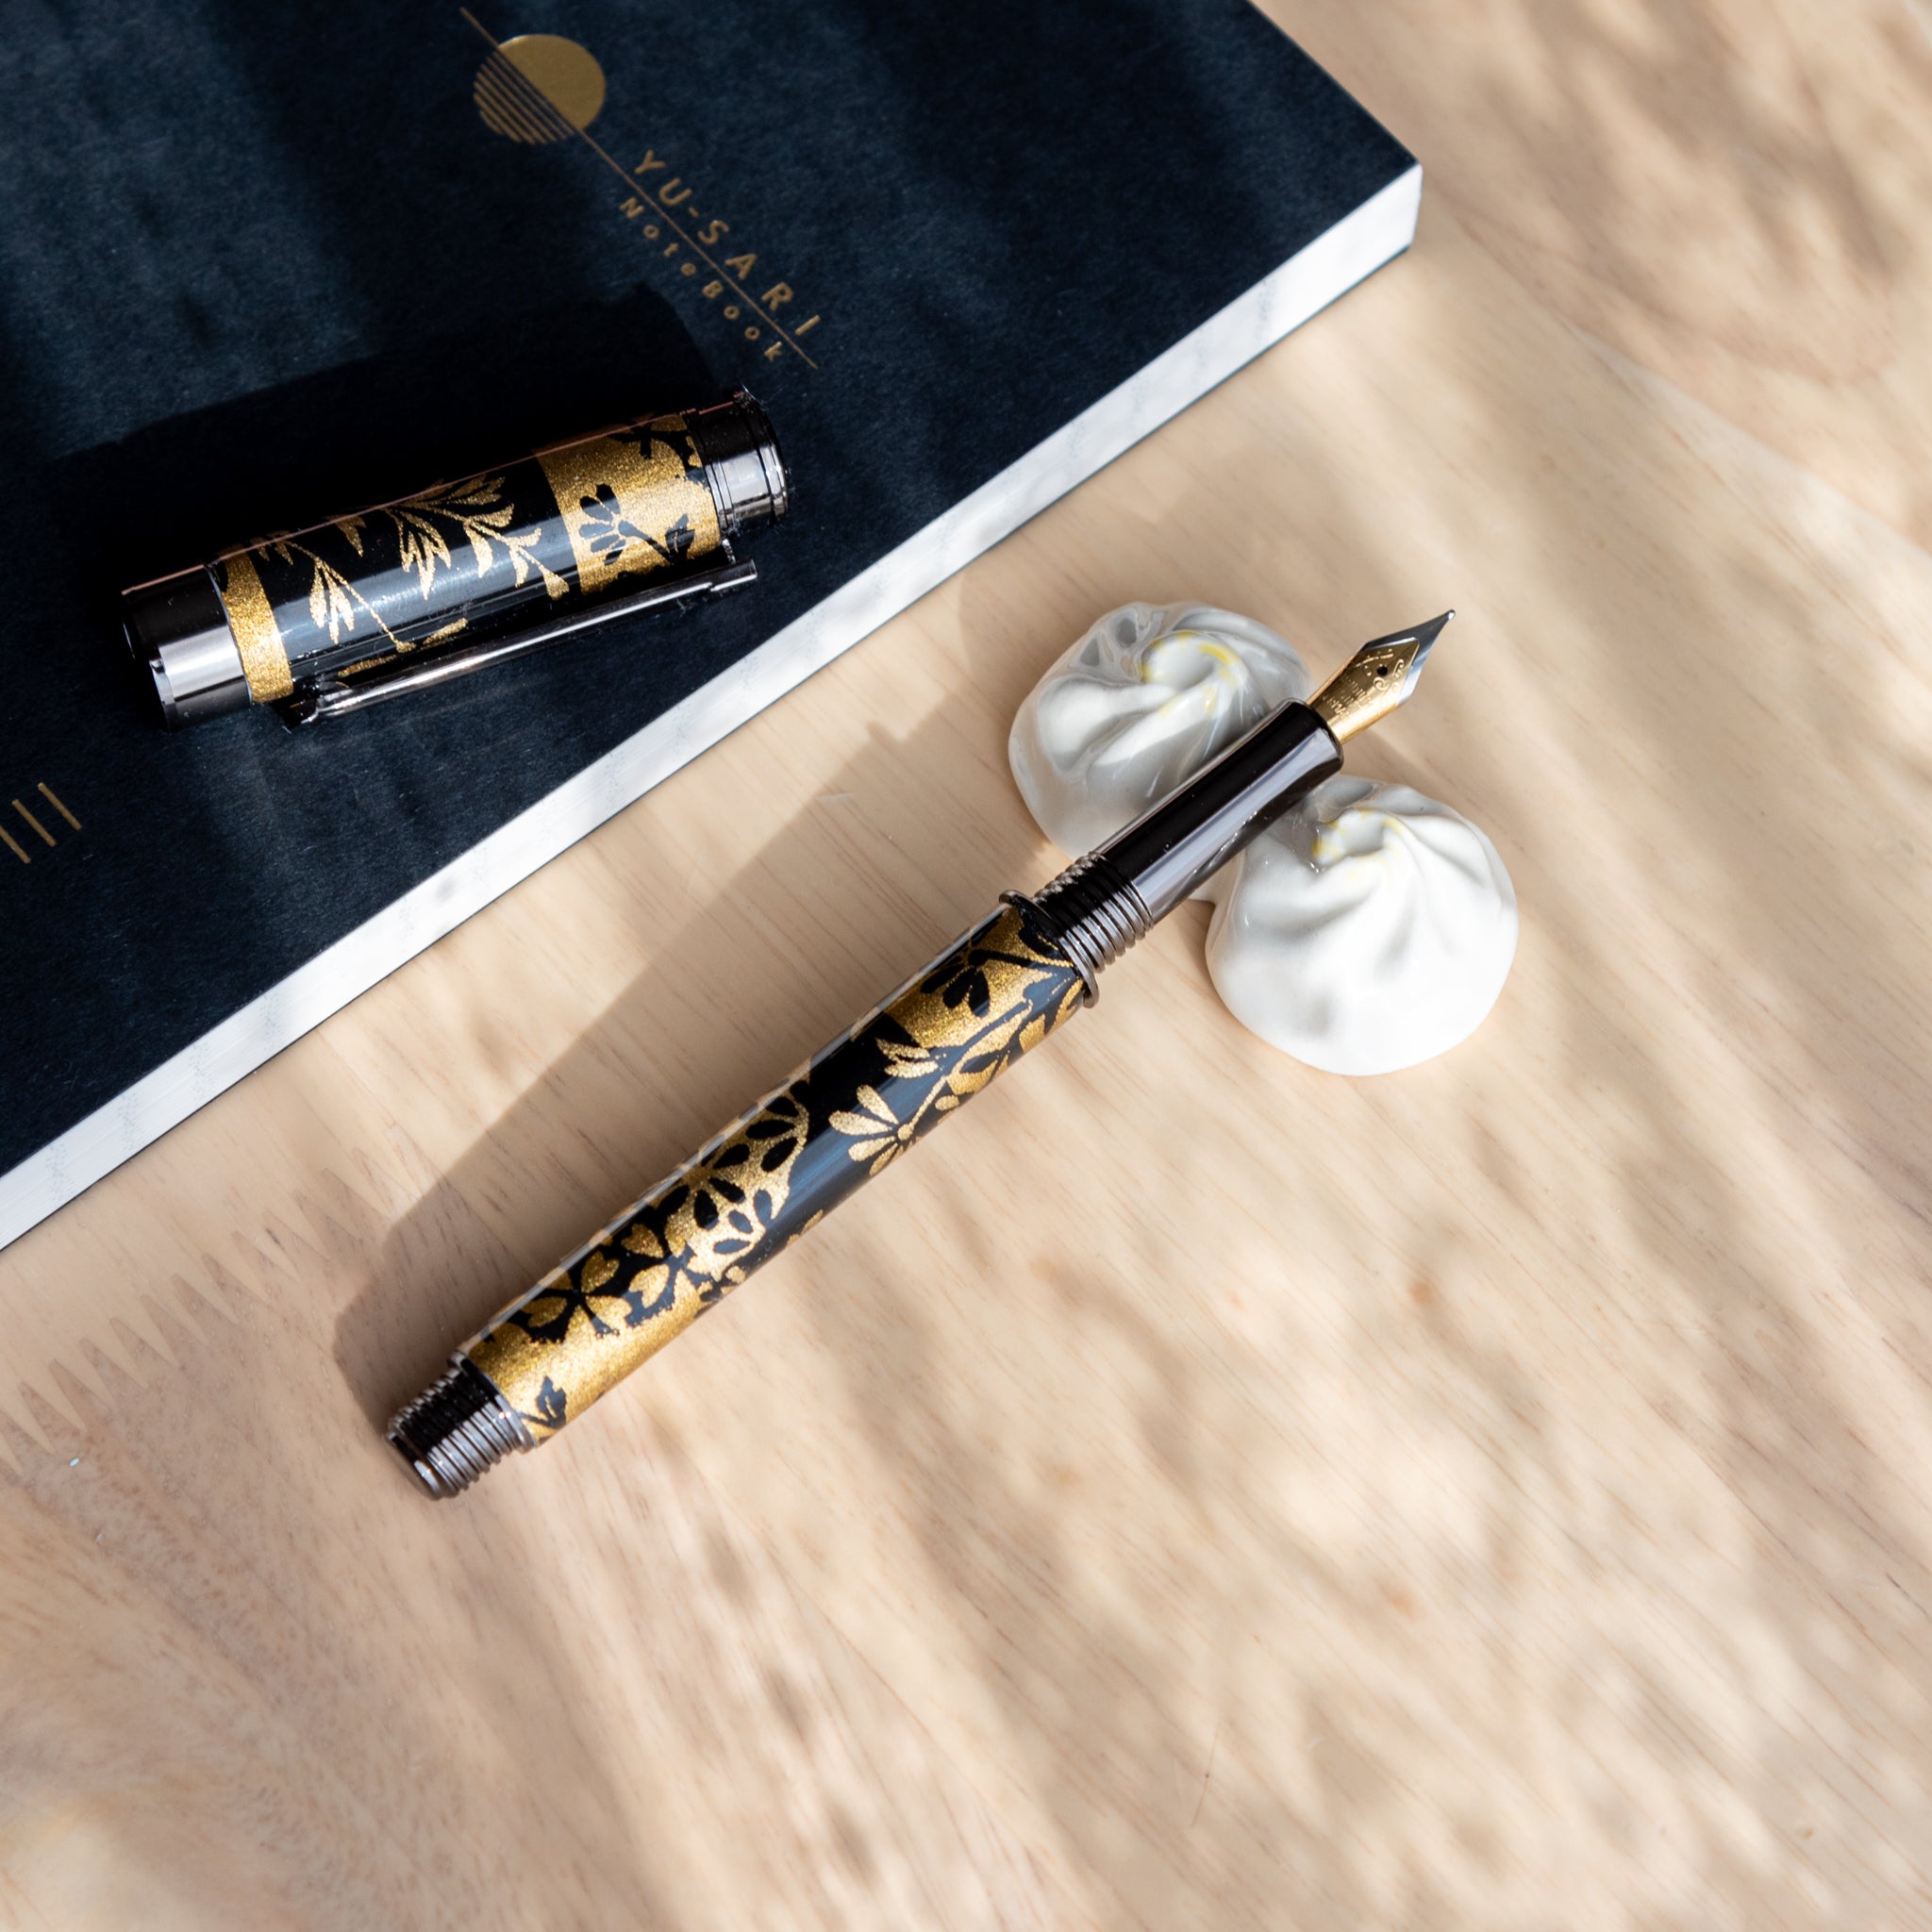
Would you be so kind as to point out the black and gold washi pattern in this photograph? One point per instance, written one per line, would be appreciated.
(459, 558)
(852, 1111)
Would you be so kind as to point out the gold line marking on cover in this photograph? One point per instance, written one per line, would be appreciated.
(502, 113)
(663, 214)
(46, 837)
(40, 832)
(565, 75)
(46, 791)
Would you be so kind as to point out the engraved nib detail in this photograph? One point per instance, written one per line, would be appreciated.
(1376, 679)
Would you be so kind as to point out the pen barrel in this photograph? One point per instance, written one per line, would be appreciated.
(462, 563)
(842, 1119)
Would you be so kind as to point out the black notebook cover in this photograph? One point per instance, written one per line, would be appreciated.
(264, 264)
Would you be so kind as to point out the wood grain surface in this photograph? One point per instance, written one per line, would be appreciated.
(1195, 1492)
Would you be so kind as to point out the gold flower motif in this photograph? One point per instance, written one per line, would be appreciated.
(549, 1311)
(907, 1060)
(647, 1285)
(878, 1134)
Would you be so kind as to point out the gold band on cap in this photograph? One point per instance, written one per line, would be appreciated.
(257, 636)
(633, 502)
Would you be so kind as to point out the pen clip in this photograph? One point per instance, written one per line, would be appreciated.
(332, 694)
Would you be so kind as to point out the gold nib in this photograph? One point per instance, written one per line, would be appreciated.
(1376, 679)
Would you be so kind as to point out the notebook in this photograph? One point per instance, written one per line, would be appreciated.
(264, 265)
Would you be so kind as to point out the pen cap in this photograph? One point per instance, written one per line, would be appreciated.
(742, 464)
(178, 630)
(459, 568)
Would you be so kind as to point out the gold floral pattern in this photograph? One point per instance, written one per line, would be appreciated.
(633, 503)
(846, 1116)
(564, 524)
(473, 510)
(877, 1135)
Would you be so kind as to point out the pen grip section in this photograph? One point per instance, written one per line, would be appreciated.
(846, 1116)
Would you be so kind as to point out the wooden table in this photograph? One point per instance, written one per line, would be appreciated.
(1200, 1493)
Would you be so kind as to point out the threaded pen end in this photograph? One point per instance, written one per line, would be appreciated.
(1095, 912)
(456, 1429)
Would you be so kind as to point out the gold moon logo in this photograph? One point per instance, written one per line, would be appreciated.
(538, 87)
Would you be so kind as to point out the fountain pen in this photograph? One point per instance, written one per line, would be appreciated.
(1007, 982)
